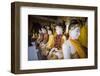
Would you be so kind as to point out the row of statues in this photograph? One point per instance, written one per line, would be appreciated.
(60, 44)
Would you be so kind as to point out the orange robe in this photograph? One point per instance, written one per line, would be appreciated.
(79, 49)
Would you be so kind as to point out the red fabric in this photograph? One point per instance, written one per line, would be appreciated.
(58, 41)
(46, 37)
(41, 37)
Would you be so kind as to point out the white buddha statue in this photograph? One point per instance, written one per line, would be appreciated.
(72, 47)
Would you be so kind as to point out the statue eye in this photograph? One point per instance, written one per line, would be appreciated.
(77, 31)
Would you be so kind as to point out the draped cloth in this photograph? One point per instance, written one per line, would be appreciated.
(56, 51)
(78, 47)
(83, 38)
(50, 43)
(58, 41)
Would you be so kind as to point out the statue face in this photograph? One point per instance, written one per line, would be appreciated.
(40, 31)
(58, 30)
(74, 33)
(43, 30)
(49, 32)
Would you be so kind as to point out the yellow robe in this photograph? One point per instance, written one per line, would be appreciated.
(50, 43)
(79, 49)
(83, 38)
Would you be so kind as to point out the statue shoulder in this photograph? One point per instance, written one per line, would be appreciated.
(66, 43)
